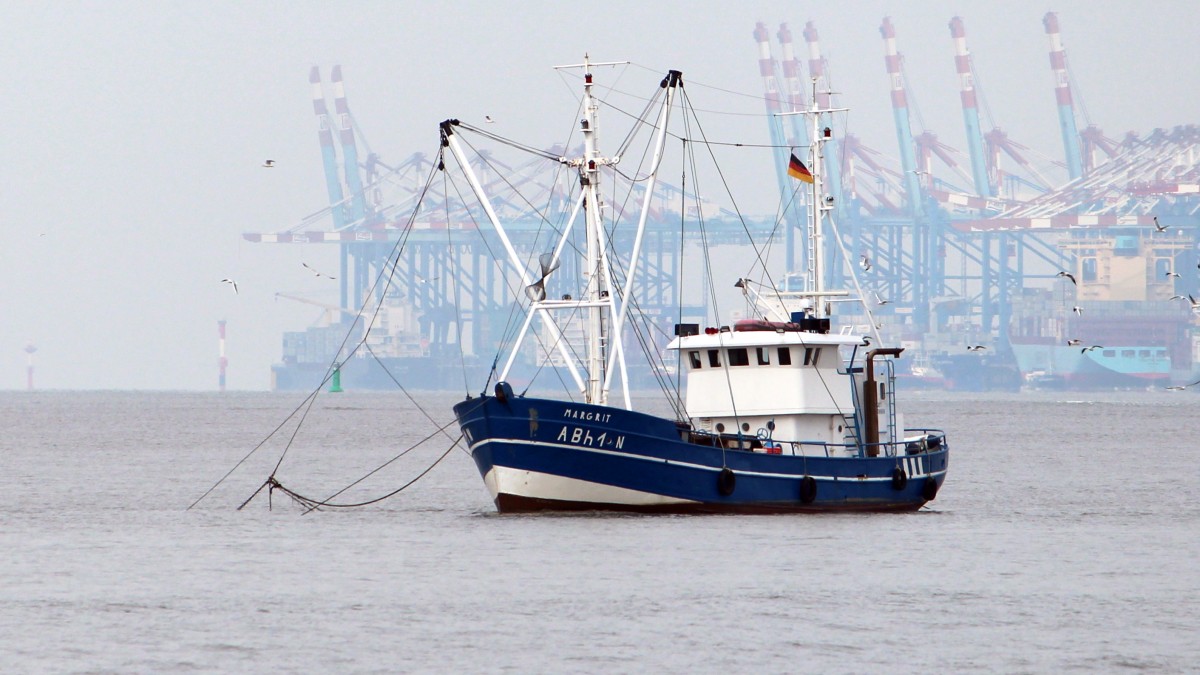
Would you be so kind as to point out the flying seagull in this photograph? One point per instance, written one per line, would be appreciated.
(976, 348)
(310, 269)
(1194, 302)
(1181, 387)
(866, 264)
(488, 119)
(1088, 349)
(1172, 274)
(1072, 343)
(1069, 276)
(268, 163)
(232, 283)
(1078, 310)
(1157, 227)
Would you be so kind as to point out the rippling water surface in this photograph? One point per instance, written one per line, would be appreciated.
(1067, 538)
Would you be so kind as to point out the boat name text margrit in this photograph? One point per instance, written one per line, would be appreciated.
(581, 436)
(586, 415)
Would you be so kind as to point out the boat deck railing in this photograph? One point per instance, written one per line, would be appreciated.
(916, 440)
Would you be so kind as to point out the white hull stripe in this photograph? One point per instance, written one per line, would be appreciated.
(659, 460)
(539, 485)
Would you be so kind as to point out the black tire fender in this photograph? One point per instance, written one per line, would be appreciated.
(930, 489)
(726, 482)
(899, 479)
(808, 490)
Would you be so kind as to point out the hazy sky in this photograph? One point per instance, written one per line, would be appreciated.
(135, 131)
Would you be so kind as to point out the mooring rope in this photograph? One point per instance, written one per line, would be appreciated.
(312, 504)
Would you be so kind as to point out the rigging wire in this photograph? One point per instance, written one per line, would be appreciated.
(454, 280)
(516, 290)
(308, 402)
(758, 254)
(313, 504)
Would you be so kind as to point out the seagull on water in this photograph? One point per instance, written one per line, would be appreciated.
(1088, 349)
(1067, 275)
(232, 283)
(310, 269)
(976, 348)
(269, 163)
(1157, 227)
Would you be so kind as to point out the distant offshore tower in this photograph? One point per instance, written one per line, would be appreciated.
(221, 361)
(29, 349)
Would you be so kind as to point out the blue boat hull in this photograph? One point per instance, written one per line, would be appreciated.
(544, 454)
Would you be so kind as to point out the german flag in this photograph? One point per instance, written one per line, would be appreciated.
(796, 169)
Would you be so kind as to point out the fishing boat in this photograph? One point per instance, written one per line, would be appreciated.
(782, 413)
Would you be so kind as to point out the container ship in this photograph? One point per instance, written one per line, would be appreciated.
(402, 350)
(1115, 321)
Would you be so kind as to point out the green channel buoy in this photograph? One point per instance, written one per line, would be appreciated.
(335, 385)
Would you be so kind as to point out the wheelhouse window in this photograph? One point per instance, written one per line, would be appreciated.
(714, 358)
(739, 357)
(785, 356)
(764, 356)
(694, 357)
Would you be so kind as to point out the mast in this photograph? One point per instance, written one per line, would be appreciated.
(817, 68)
(816, 161)
(589, 178)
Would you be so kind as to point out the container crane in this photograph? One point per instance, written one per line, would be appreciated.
(966, 83)
(1062, 94)
(904, 138)
(788, 193)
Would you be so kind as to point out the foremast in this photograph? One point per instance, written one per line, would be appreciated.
(595, 251)
(598, 303)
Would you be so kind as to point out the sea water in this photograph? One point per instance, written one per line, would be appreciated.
(1066, 538)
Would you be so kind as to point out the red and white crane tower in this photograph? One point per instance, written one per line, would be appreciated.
(1062, 95)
